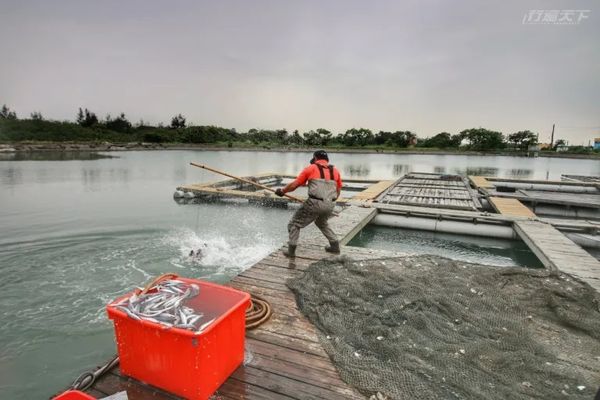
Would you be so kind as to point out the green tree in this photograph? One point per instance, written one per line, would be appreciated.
(522, 139)
(207, 134)
(86, 118)
(178, 121)
(37, 116)
(559, 142)
(119, 124)
(442, 140)
(320, 137)
(6, 113)
(483, 139)
(295, 138)
(358, 137)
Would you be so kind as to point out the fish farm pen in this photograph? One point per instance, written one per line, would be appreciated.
(300, 353)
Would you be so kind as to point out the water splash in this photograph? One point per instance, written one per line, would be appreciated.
(229, 254)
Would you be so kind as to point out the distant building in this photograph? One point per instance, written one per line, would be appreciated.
(544, 146)
(597, 143)
(562, 147)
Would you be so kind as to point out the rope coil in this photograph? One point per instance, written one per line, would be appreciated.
(258, 312)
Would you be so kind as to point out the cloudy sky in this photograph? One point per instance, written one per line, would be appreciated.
(425, 66)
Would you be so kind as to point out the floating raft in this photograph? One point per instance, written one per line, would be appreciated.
(359, 189)
(581, 178)
(571, 194)
(432, 190)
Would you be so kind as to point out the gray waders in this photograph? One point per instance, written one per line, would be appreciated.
(317, 208)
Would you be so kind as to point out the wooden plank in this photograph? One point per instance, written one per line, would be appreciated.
(278, 383)
(587, 200)
(541, 182)
(236, 390)
(558, 252)
(510, 207)
(346, 225)
(480, 182)
(113, 382)
(373, 191)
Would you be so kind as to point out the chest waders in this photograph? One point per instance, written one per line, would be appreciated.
(322, 194)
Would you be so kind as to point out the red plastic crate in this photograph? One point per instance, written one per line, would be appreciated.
(74, 395)
(178, 360)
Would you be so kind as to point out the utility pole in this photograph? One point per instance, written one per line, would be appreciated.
(552, 138)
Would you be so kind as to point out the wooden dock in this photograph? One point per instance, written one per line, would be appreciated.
(480, 182)
(373, 191)
(558, 252)
(284, 359)
(511, 207)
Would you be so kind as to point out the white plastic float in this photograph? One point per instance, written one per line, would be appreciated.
(481, 229)
(445, 226)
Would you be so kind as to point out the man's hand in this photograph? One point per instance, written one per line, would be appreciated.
(279, 192)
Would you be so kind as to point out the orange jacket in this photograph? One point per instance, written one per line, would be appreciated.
(312, 172)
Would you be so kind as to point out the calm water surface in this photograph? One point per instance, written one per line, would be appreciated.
(75, 233)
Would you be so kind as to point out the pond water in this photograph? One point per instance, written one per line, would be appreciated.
(78, 230)
(487, 251)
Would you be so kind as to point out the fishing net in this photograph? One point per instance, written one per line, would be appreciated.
(431, 328)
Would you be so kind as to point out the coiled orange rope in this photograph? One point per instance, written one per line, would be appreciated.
(258, 312)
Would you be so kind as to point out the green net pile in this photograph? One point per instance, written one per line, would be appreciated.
(431, 328)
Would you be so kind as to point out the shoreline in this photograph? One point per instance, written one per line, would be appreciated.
(94, 147)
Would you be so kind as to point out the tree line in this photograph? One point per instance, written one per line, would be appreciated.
(88, 126)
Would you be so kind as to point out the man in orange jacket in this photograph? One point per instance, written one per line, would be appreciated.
(324, 186)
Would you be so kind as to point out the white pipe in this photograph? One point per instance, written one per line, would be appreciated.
(550, 187)
(446, 226)
(563, 211)
(189, 195)
(584, 240)
(178, 194)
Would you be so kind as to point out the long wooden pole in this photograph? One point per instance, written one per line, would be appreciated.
(245, 181)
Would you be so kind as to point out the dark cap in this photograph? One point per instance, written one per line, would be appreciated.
(319, 155)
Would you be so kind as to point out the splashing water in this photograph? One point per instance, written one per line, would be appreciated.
(221, 255)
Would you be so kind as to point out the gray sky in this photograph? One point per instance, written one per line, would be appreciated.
(425, 66)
